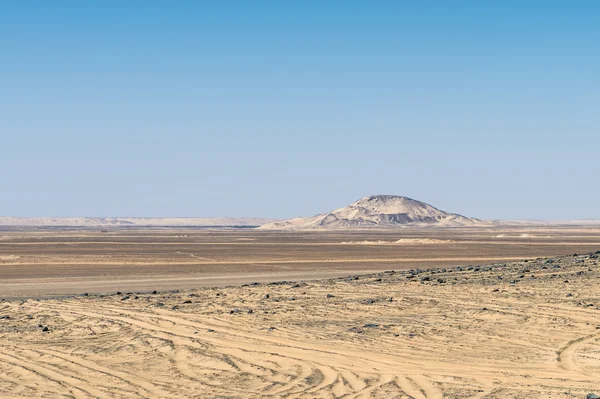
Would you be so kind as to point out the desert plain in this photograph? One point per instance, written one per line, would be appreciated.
(465, 312)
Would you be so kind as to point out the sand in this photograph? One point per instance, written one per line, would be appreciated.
(526, 328)
(385, 335)
(50, 262)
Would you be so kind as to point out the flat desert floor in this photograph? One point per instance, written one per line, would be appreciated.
(388, 314)
(38, 263)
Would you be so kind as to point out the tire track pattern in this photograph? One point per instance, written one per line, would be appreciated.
(477, 337)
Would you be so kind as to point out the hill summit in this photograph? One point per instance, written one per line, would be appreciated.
(377, 211)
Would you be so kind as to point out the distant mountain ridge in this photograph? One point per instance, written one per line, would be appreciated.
(378, 211)
(132, 222)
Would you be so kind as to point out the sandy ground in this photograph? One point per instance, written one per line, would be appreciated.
(515, 330)
(527, 328)
(46, 262)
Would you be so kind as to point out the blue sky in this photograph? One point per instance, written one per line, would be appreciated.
(280, 109)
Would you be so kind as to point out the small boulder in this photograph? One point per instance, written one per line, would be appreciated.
(371, 325)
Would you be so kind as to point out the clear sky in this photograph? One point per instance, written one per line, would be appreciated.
(281, 108)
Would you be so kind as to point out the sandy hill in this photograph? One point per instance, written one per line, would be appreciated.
(378, 211)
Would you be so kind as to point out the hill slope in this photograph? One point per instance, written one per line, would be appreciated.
(377, 211)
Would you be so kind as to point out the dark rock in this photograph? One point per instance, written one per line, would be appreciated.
(188, 301)
(250, 311)
(371, 325)
(569, 295)
(330, 296)
(154, 292)
(85, 294)
(427, 278)
(126, 297)
(233, 311)
(45, 329)
(592, 396)
(441, 280)
(267, 296)
(210, 330)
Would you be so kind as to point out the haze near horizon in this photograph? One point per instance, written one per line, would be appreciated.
(151, 109)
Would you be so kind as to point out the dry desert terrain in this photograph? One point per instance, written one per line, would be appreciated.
(410, 313)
